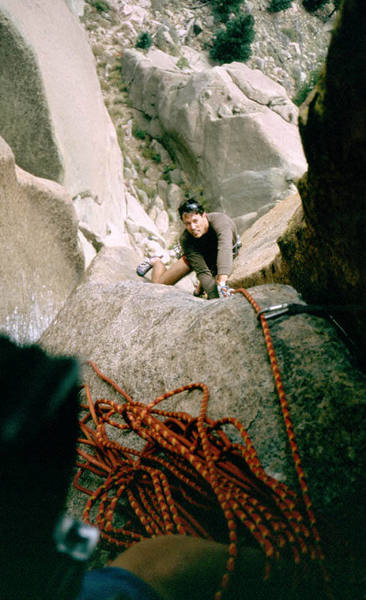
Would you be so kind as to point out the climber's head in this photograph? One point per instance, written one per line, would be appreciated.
(194, 217)
(190, 206)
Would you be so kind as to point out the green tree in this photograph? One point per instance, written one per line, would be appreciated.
(101, 6)
(278, 5)
(233, 42)
(222, 8)
(144, 40)
(313, 5)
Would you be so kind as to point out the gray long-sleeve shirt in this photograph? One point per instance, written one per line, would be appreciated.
(211, 254)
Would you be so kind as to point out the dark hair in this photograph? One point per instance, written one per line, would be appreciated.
(190, 206)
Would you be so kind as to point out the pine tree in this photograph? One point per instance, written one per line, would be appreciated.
(313, 5)
(278, 5)
(222, 8)
(144, 40)
(233, 43)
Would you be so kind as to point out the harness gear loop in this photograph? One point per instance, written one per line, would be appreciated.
(190, 478)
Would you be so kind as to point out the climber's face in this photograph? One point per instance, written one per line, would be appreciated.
(196, 224)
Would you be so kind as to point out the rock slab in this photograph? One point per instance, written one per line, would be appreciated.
(52, 112)
(153, 338)
(41, 259)
(232, 128)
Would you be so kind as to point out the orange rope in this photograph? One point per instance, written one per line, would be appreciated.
(288, 422)
(187, 470)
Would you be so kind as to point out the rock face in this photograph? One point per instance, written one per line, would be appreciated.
(323, 249)
(232, 128)
(76, 6)
(220, 342)
(41, 259)
(259, 260)
(52, 112)
(113, 264)
(288, 45)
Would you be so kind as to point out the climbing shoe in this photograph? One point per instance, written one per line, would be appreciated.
(144, 267)
(198, 291)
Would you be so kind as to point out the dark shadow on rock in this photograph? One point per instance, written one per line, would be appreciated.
(324, 248)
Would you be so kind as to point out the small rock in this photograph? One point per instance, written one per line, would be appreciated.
(163, 189)
(153, 248)
(143, 197)
(224, 111)
(175, 196)
(245, 221)
(259, 62)
(162, 222)
(159, 149)
(176, 176)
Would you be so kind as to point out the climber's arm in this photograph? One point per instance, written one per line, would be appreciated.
(180, 567)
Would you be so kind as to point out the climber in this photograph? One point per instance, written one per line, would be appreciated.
(209, 244)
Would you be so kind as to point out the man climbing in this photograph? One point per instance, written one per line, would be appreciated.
(209, 244)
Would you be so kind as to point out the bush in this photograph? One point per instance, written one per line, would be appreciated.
(182, 63)
(101, 6)
(222, 8)
(139, 134)
(313, 5)
(278, 5)
(233, 43)
(308, 86)
(144, 41)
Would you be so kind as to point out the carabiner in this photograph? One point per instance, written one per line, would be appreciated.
(271, 312)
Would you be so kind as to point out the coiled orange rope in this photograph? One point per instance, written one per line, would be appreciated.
(189, 475)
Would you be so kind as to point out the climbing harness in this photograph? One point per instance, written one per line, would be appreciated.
(190, 478)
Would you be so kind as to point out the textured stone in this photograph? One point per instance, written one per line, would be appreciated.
(256, 86)
(324, 247)
(154, 338)
(138, 220)
(245, 221)
(41, 258)
(223, 130)
(175, 196)
(259, 259)
(52, 112)
(112, 265)
(76, 6)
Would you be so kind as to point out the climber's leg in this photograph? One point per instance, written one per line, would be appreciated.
(170, 275)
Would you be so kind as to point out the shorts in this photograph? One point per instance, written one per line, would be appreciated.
(111, 583)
